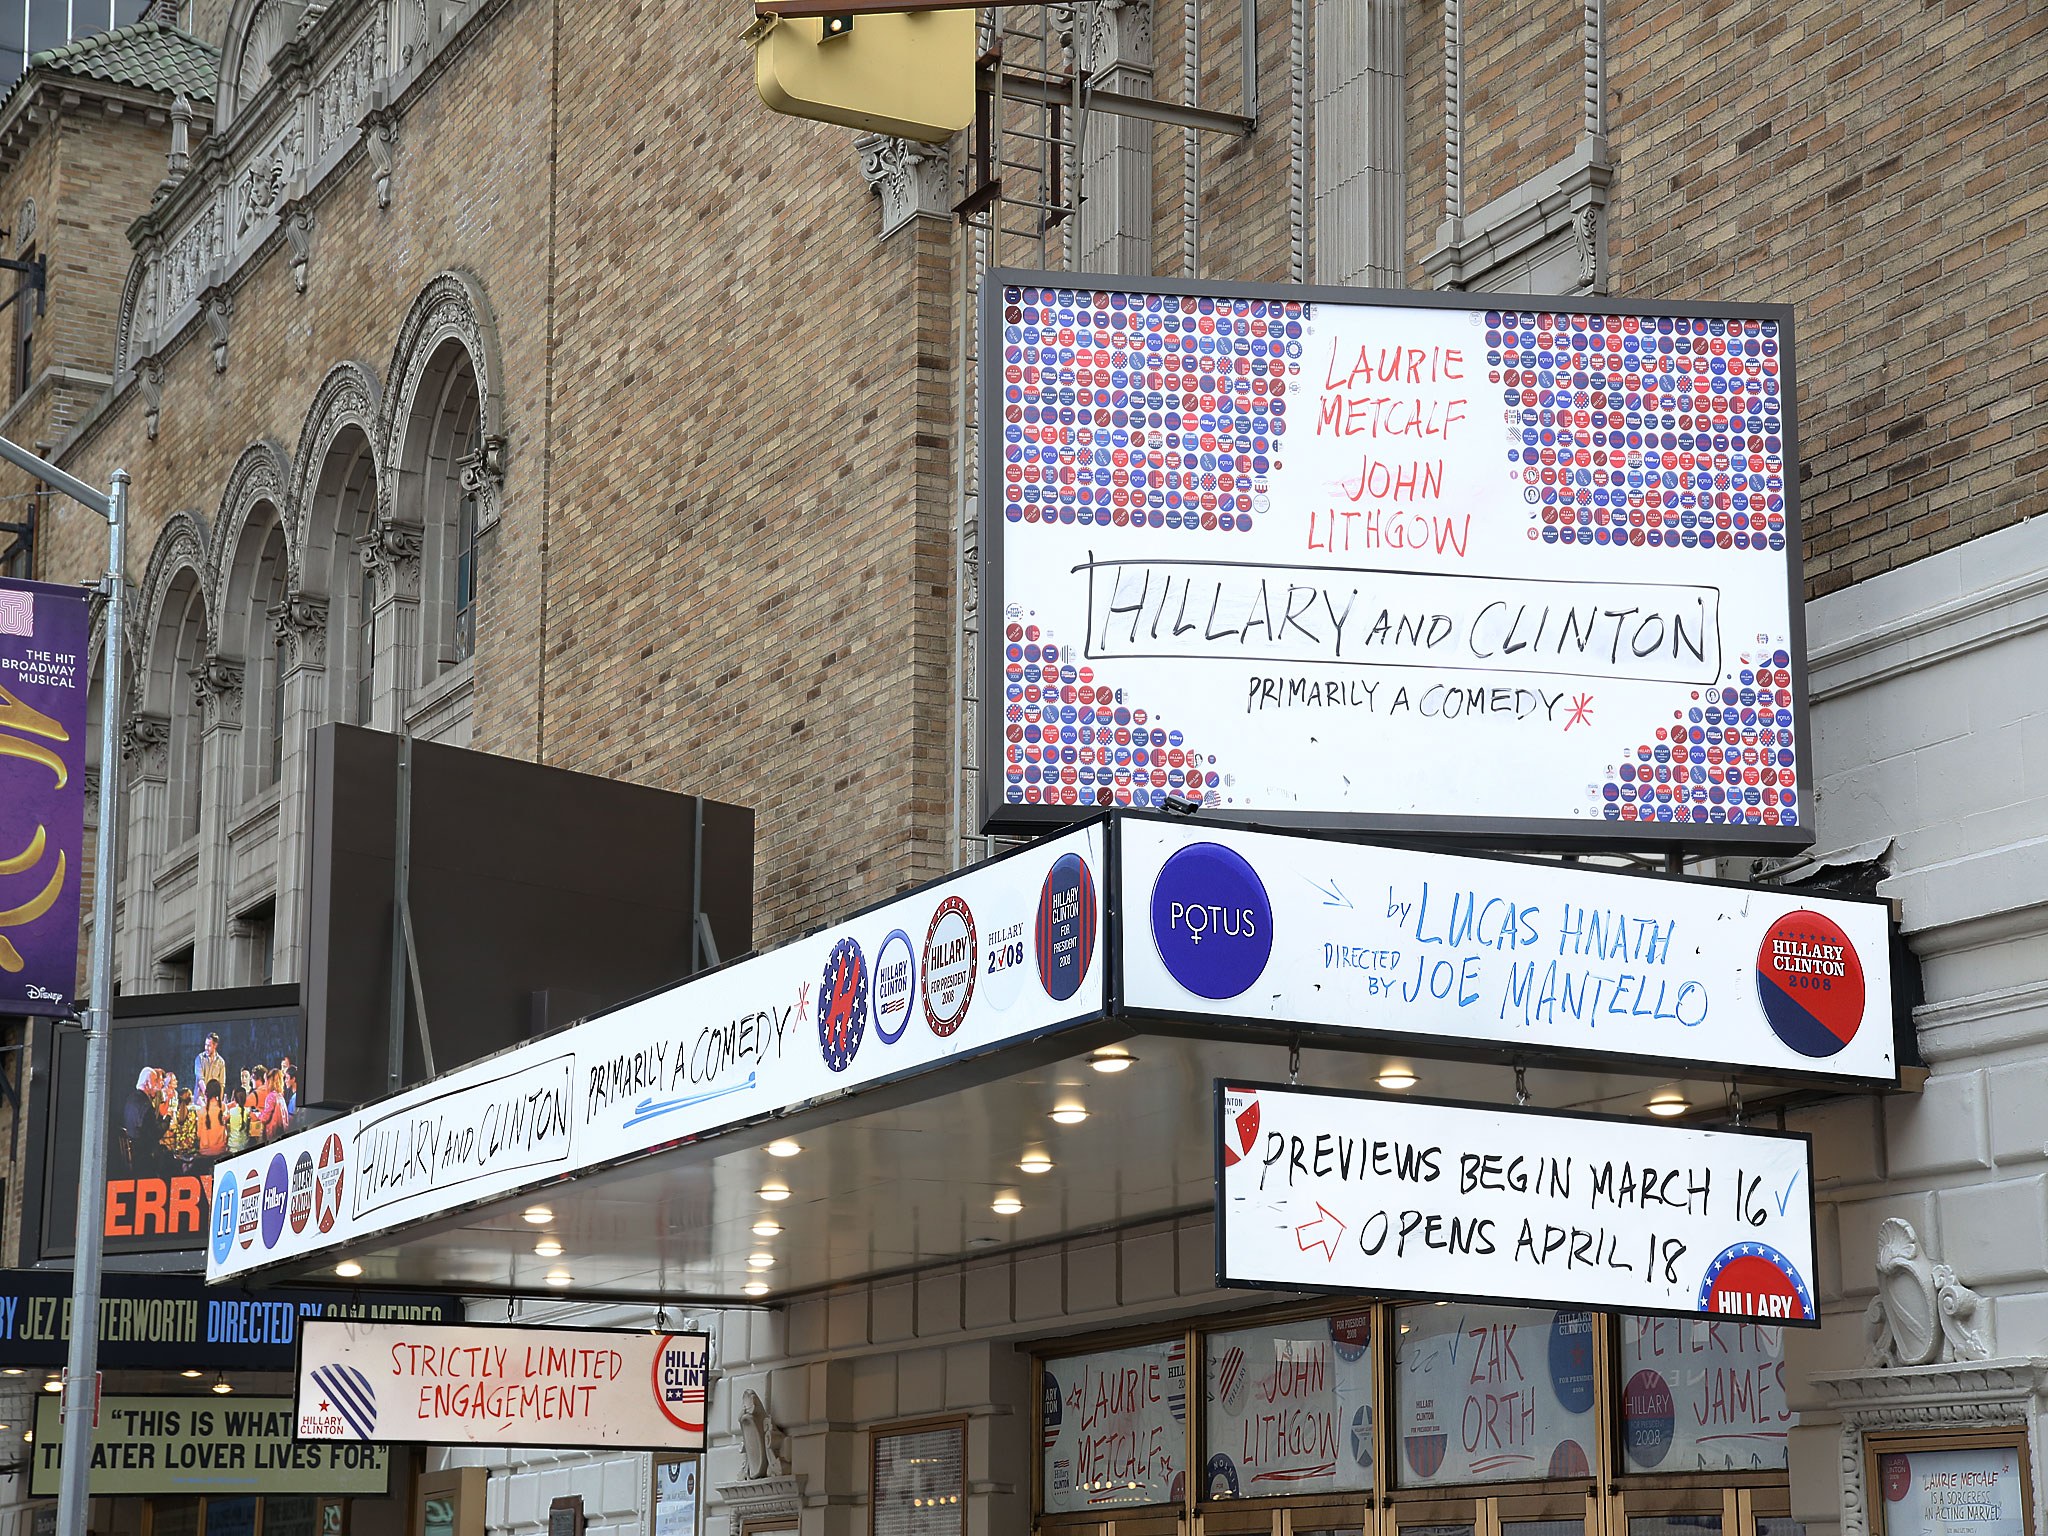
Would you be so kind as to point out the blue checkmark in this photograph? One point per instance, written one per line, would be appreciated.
(1786, 1198)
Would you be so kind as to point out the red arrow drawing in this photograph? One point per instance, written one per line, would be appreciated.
(1327, 1244)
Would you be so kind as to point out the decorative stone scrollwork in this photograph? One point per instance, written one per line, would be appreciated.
(295, 218)
(380, 143)
(1586, 236)
(913, 180)
(146, 745)
(1113, 35)
(482, 474)
(392, 554)
(300, 624)
(217, 685)
(1921, 1314)
(149, 378)
(218, 305)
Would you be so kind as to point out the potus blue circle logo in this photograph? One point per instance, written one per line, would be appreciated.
(225, 1205)
(1212, 922)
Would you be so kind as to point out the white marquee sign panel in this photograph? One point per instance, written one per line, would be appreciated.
(1008, 950)
(1430, 562)
(1521, 954)
(1415, 1197)
(501, 1384)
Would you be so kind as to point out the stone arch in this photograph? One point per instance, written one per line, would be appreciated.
(135, 324)
(338, 474)
(261, 477)
(175, 641)
(444, 458)
(256, 30)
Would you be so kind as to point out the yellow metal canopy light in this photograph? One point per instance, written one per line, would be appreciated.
(886, 72)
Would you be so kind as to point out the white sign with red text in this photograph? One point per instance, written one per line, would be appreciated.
(1416, 1197)
(483, 1384)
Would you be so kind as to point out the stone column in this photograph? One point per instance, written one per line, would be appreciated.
(300, 623)
(1113, 44)
(393, 555)
(1358, 101)
(145, 802)
(217, 685)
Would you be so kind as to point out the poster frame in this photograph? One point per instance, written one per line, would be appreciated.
(656, 1462)
(1226, 1281)
(386, 1439)
(956, 1422)
(392, 1463)
(1985, 1437)
(1221, 1024)
(998, 817)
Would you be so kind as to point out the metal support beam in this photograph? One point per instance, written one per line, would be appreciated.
(1055, 93)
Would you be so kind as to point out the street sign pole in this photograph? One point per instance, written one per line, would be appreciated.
(81, 1406)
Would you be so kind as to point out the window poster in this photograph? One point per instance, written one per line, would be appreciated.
(920, 1481)
(1492, 1394)
(1703, 1396)
(1114, 1427)
(1289, 1408)
(1970, 1491)
(675, 1495)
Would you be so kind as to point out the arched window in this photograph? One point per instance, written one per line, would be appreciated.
(341, 507)
(177, 653)
(442, 436)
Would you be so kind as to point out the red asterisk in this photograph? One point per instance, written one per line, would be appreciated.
(1582, 711)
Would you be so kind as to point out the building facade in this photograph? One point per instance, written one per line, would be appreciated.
(501, 372)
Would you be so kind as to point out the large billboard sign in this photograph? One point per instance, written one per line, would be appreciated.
(1407, 562)
(1319, 1190)
(1444, 952)
(1001, 953)
(195, 1077)
(45, 634)
(500, 1384)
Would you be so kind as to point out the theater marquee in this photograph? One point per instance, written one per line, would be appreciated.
(1415, 562)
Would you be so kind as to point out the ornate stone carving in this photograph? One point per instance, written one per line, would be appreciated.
(217, 685)
(1586, 236)
(1113, 35)
(25, 223)
(1921, 1314)
(482, 475)
(300, 624)
(380, 143)
(913, 180)
(260, 183)
(149, 378)
(295, 218)
(392, 554)
(451, 307)
(218, 305)
(146, 745)
(179, 160)
(764, 1447)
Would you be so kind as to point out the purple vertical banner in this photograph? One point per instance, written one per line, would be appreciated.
(45, 632)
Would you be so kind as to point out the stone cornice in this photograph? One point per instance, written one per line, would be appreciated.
(46, 94)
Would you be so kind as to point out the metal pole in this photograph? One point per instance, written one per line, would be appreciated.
(394, 1075)
(81, 1378)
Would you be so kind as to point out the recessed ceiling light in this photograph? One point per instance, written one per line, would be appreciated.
(348, 1269)
(193, 1375)
(28, 1437)
(1035, 1162)
(755, 1288)
(548, 1248)
(1669, 1103)
(784, 1148)
(773, 1192)
(53, 1384)
(539, 1215)
(1396, 1077)
(767, 1226)
(1006, 1204)
(559, 1278)
(1069, 1114)
(14, 1370)
(1112, 1058)
(760, 1261)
